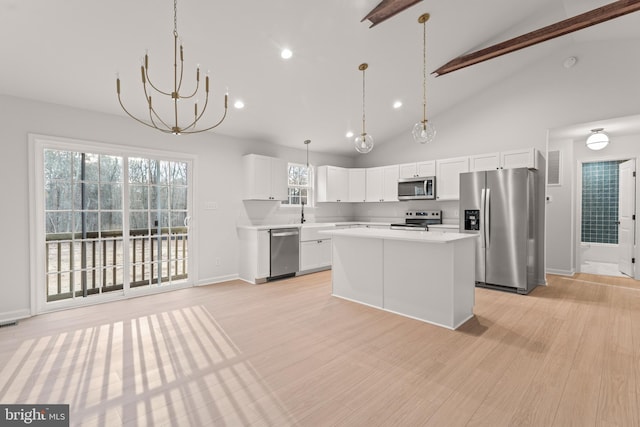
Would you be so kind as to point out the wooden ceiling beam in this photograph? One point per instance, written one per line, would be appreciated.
(578, 22)
(386, 9)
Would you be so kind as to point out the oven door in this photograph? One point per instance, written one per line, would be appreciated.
(417, 188)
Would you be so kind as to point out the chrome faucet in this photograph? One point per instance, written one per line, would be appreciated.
(302, 220)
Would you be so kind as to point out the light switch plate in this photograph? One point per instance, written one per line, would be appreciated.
(211, 206)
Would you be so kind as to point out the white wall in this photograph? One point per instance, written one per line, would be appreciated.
(560, 213)
(218, 179)
(563, 210)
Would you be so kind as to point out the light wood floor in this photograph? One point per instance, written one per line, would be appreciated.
(287, 353)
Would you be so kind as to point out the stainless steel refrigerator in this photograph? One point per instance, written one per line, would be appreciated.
(505, 207)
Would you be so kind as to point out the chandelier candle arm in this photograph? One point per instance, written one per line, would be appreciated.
(155, 120)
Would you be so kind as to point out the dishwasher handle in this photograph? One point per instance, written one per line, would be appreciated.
(283, 233)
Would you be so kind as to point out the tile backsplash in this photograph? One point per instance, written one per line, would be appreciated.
(600, 202)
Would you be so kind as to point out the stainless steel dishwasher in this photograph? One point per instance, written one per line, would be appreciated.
(285, 252)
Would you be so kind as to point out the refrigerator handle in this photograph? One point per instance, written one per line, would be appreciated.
(482, 219)
(487, 218)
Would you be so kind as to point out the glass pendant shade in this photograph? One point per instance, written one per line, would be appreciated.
(423, 132)
(363, 143)
(597, 140)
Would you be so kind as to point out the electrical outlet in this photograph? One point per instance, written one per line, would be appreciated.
(218, 262)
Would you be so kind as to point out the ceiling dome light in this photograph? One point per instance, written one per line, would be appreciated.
(397, 104)
(238, 104)
(349, 134)
(286, 54)
(597, 140)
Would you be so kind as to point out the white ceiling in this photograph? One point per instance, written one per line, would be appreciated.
(68, 52)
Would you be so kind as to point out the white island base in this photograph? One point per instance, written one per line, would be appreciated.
(429, 276)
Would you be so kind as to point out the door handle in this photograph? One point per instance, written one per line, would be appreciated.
(482, 218)
(487, 219)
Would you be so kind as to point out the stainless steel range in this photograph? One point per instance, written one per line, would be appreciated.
(418, 220)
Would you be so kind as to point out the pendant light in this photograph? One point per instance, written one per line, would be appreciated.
(597, 140)
(363, 142)
(307, 142)
(423, 132)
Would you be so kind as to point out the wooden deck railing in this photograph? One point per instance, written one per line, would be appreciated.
(95, 264)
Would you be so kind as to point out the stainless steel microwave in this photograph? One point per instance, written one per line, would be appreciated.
(420, 188)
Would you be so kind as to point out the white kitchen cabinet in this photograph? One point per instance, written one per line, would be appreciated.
(333, 184)
(315, 254)
(265, 178)
(315, 247)
(255, 255)
(420, 169)
(382, 184)
(484, 162)
(523, 158)
(357, 185)
(448, 177)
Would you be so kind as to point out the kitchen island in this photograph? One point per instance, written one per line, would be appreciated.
(425, 275)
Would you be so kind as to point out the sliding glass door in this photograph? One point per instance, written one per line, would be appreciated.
(110, 222)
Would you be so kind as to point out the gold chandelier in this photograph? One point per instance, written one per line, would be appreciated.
(155, 121)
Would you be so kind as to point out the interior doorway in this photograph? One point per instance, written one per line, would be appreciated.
(606, 214)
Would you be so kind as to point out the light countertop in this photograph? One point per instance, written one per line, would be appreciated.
(311, 224)
(404, 235)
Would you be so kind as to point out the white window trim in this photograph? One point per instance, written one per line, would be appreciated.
(36, 145)
(311, 188)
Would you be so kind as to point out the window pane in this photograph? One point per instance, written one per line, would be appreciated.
(110, 168)
(110, 221)
(57, 165)
(90, 220)
(58, 222)
(138, 197)
(90, 196)
(138, 170)
(159, 197)
(179, 173)
(178, 198)
(58, 196)
(91, 169)
(139, 220)
(111, 196)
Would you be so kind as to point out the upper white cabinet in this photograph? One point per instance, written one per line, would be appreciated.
(448, 177)
(333, 184)
(484, 162)
(524, 158)
(357, 185)
(527, 158)
(382, 184)
(420, 169)
(265, 178)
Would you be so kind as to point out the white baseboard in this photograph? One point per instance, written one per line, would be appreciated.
(560, 272)
(12, 316)
(219, 279)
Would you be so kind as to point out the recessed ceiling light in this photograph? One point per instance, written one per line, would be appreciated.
(349, 134)
(397, 104)
(238, 104)
(286, 54)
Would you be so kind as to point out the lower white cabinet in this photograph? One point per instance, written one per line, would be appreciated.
(255, 256)
(315, 254)
(315, 247)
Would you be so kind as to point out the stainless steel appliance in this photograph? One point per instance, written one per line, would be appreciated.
(418, 220)
(505, 208)
(285, 252)
(421, 188)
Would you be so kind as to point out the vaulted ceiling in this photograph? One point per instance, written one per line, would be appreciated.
(68, 52)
